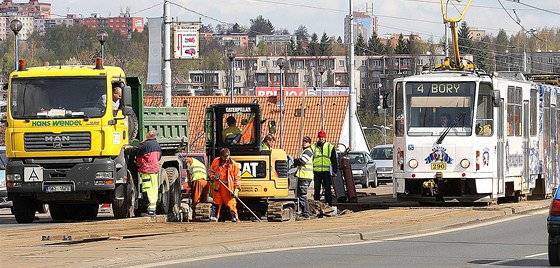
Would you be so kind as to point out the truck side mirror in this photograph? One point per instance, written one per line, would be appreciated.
(127, 96)
(496, 98)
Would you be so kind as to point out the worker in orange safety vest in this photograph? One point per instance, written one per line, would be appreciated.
(226, 170)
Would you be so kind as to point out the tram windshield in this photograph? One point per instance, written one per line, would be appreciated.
(434, 106)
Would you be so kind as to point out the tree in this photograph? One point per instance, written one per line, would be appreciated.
(238, 28)
(501, 43)
(374, 45)
(402, 46)
(206, 28)
(361, 46)
(301, 33)
(300, 50)
(325, 47)
(464, 39)
(260, 25)
(414, 45)
(313, 47)
(484, 57)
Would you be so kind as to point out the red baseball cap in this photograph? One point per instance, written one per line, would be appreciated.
(322, 134)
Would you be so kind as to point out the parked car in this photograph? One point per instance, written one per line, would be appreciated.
(553, 227)
(383, 157)
(363, 169)
(4, 203)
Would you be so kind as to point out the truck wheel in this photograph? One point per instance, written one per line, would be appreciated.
(175, 190)
(24, 209)
(124, 208)
(162, 206)
(58, 212)
(132, 121)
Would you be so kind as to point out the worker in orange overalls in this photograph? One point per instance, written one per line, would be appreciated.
(225, 169)
(248, 127)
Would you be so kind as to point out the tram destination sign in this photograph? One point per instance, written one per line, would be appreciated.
(444, 88)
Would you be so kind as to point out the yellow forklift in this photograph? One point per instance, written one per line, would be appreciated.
(264, 173)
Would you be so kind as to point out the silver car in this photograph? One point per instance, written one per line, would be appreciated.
(383, 157)
(363, 169)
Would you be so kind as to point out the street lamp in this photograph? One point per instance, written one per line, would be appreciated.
(322, 71)
(231, 56)
(102, 38)
(280, 62)
(15, 26)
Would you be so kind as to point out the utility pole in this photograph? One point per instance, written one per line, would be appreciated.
(351, 93)
(166, 54)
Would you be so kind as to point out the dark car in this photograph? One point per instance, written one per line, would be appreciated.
(363, 169)
(553, 227)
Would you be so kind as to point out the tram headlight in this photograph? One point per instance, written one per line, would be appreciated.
(465, 163)
(413, 163)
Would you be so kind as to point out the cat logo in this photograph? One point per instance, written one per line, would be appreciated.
(250, 169)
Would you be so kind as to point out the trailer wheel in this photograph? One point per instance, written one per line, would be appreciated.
(175, 189)
(162, 206)
(24, 209)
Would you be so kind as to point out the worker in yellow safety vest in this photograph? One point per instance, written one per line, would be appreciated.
(198, 178)
(325, 166)
(304, 174)
(267, 142)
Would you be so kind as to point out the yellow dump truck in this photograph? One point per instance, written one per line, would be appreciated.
(65, 137)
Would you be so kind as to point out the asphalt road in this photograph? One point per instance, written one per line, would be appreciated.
(519, 241)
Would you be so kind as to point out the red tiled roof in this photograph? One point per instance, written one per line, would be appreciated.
(335, 111)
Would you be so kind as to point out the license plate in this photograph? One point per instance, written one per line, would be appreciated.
(58, 188)
(439, 166)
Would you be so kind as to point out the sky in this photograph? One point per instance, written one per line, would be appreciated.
(421, 17)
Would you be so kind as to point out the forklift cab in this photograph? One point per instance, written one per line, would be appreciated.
(233, 126)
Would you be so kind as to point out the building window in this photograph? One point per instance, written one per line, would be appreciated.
(341, 63)
(263, 63)
(364, 62)
(196, 78)
(261, 78)
(237, 79)
(363, 85)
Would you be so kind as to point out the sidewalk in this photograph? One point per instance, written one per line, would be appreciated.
(119, 243)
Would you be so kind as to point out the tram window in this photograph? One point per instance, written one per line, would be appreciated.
(484, 111)
(533, 111)
(399, 111)
(513, 109)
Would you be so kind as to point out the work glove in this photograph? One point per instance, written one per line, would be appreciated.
(236, 193)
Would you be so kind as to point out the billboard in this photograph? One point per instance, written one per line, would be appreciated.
(298, 91)
(186, 40)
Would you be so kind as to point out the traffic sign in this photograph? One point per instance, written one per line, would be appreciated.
(186, 40)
